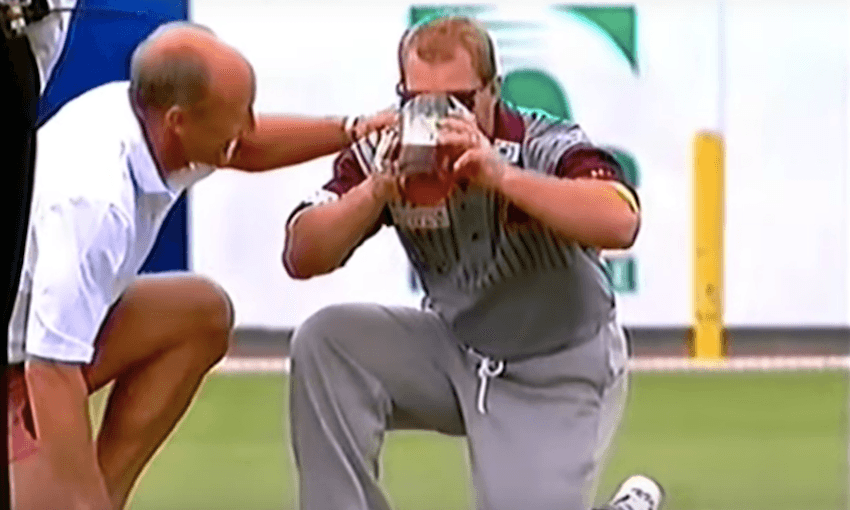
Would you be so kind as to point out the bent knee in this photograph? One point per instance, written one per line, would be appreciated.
(210, 316)
(315, 336)
(214, 305)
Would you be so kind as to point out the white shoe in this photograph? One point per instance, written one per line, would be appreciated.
(638, 492)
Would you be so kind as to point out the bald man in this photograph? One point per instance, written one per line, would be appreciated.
(110, 166)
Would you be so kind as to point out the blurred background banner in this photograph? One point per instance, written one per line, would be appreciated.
(641, 78)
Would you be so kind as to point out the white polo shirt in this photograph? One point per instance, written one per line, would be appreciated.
(98, 204)
(47, 38)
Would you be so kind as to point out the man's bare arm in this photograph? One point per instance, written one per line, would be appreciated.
(284, 140)
(320, 238)
(59, 397)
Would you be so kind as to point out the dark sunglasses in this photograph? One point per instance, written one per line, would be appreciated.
(464, 97)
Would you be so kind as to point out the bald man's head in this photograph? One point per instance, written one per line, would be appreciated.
(194, 92)
(178, 63)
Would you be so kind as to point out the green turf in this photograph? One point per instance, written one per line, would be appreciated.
(738, 442)
(717, 442)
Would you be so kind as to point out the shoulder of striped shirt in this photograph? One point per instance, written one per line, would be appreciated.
(538, 122)
(560, 136)
(366, 151)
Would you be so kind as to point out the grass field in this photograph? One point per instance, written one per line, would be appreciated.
(752, 441)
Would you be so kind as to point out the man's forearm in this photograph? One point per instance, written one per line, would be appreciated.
(59, 398)
(589, 211)
(282, 140)
(320, 238)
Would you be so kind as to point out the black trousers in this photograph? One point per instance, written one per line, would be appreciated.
(19, 94)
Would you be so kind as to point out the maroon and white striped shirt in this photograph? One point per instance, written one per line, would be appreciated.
(506, 285)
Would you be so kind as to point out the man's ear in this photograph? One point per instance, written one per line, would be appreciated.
(175, 119)
(496, 86)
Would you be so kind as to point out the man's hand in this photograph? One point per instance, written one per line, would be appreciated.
(384, 187)
(477, 162)
(365, 125)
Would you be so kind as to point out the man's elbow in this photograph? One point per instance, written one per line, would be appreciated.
(625, 233)
(302, 261)
(293, 270)
(296, 267)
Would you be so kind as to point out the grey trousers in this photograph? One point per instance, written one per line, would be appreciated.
(537, 429)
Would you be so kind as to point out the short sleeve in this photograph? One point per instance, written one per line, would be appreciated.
(348, 172)
(585, 161)
(80, 249)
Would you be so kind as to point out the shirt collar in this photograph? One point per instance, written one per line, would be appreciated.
(509, 125)
(142, 164)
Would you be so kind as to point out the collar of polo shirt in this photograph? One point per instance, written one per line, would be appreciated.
(145, 171)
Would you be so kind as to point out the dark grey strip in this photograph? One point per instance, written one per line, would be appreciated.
(556, 250)
(518, 249)
(501, 268)
(531, 247)
(539, 235)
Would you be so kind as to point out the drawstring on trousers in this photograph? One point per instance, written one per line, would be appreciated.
(487, 369)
